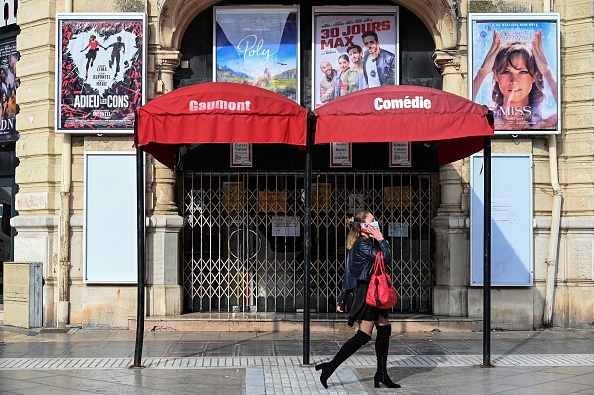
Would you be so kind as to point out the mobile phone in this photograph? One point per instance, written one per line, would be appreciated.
(366, 228)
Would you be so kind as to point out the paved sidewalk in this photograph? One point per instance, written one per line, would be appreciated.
(98, 361)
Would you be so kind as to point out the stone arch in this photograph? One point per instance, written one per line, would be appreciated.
(440, 19)
(174, 18)
(439, 16)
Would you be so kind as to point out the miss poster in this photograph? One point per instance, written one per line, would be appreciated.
(514, 70)
(100, 72)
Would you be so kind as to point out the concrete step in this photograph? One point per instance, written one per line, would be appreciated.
(284, 322)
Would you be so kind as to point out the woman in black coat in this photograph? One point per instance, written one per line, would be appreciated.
(363, 229)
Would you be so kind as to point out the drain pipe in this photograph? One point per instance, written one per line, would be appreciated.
(64, 225)
(551, 262)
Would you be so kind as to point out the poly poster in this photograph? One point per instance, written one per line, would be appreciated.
(258, 47)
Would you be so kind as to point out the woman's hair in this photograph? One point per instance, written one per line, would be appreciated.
(92, 37)
(354, 226)
(504, 59)
(345, 57)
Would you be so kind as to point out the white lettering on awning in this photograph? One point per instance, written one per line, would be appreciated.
(407, 102)
(243, 106)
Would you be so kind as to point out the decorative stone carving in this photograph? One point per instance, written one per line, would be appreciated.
(166, 59)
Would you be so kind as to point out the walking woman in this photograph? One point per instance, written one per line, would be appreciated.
(363, 229)
(93, 46)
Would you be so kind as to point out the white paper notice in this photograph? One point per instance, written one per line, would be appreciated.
(341, 155)
(503, 210)
(241, 155)
(285, 226)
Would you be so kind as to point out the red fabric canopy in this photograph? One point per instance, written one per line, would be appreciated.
(398, 113)
(218, 112)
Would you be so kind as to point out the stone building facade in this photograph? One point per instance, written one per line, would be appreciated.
(50, 196)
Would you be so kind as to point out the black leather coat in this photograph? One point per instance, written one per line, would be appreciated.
(360, 260)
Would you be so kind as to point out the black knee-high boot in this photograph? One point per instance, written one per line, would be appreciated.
(382, 344)
(347, 349)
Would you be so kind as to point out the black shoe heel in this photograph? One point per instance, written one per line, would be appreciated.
(385, 381)
(324, 376)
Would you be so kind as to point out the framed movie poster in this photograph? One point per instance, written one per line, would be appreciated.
(9, 83)
(258, 46)
(514, 69)
(100, 71)
(353, 50)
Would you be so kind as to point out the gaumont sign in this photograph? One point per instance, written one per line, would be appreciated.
(218, 112)
(408, 102)
(240, 106)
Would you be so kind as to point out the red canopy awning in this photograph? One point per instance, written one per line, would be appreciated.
(397, 113)
(218, 112)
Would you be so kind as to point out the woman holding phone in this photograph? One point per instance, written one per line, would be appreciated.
(363, 230)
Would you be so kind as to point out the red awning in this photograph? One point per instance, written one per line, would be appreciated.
(218, 112)
(398, 113)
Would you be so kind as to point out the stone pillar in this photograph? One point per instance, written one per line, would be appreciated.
(450, 296)
(165, 293)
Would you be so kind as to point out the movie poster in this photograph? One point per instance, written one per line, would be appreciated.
(514, 61)
(100, 72)
(9, 83)
(258, 47)
(353, 51)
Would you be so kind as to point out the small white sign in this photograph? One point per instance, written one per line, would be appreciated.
(341, 155)
(503, 209)
(285, 226)
(400, 155)
(398, 230)
(241, 155)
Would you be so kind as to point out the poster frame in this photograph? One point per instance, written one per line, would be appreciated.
(512, 233)
(8, 129)
(256, 9)
(356, 12)
(117, 264)
(99, 17)
(515, 18)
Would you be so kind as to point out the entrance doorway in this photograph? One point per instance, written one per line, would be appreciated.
(243, 237)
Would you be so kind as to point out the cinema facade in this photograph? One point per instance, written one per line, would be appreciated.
(224, 230)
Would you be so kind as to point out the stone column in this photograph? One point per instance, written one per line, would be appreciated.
(165, 293)
(450, 296)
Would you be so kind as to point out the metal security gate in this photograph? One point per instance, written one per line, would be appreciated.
(243, 237)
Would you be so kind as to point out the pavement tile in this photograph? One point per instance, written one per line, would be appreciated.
(270, 363)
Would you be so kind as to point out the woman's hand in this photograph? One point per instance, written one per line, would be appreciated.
(542, 63)
(376, 233)
(487, 65)
(489, 61)
(339, 309)
(539, 54)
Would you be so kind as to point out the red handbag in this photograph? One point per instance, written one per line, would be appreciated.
(381, 292)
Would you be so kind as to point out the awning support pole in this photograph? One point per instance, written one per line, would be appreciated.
(487, 257)
(141, 255)
(307, 240)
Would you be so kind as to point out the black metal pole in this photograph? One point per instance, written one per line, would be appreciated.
(141, 254)
(307, 241)
(487, 257)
